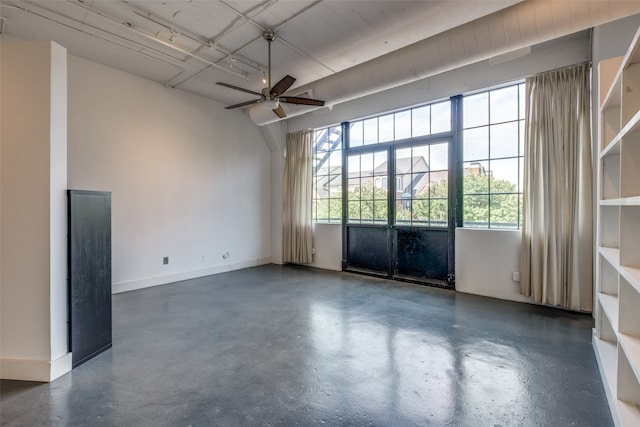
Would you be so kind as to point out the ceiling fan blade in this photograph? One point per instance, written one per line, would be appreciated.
(282, 86)
(244, 104)
(238, 88)
(280, 112)
(301, 101)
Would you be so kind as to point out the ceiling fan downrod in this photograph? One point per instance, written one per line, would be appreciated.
(269, 36)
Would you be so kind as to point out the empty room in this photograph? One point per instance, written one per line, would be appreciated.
(320, 212)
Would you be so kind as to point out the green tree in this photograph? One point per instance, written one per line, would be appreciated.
(499, 209)
(433, 204)
(369, 203)
(329, 210)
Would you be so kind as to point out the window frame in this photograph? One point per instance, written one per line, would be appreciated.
(457, 162)
(436, 121)
(518, 159)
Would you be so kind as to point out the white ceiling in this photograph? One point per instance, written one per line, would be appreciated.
(191, 44)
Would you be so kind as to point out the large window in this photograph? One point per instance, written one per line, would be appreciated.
(412, 123)
(327, 175)
(491, 162)
(493, 137)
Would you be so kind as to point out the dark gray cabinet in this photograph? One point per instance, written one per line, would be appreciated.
(89, 269)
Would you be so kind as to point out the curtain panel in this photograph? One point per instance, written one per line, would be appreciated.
(557, 232)
(298, 187)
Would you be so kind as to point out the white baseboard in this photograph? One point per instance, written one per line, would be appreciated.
(186, 275)
(508, 294)
(34, 370)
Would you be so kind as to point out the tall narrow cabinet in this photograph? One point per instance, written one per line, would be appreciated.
(616, 339)
(89, 215)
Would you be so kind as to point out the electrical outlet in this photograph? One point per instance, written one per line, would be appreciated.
(515, 276)
(226, 255)
(165, 260)
(203, 258)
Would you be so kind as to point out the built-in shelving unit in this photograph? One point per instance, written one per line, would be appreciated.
(616, 339)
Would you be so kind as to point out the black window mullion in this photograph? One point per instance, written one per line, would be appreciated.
(391, 206)
(345, 193)
(391, 186)
(456, 181)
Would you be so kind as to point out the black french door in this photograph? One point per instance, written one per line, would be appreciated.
(366, 212)
(399, 210)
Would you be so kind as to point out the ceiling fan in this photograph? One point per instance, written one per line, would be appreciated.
(271, 97)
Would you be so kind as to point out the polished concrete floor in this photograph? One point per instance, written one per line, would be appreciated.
(278, 345)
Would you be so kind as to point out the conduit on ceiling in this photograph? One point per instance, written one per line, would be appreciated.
(525, 24)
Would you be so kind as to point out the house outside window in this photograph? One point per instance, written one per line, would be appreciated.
(422, 196)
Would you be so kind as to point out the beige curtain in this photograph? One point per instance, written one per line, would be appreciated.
(298, 235)
(557, 231)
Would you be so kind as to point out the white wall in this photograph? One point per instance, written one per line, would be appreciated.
(189, 179)
(327, 246)
(274, 136)
(485, 261)
(33, 287)
(58, 203)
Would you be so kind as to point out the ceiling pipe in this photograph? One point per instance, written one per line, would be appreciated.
(155, 39)
(136, 51)
(519, 26)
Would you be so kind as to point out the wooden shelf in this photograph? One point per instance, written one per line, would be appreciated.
(631, 275)
(624, 201)
(608, 74)
(609, 226)
(612, 255)
(630, 164)
(609, 176)
(609, 305)
(608, 277)
(607, 358)
(629, 414)
(616, 341)
(607, 353)
(628, 389)
(632, 126)
(629, 242)
(631, 347)
(612, 148)
(613, 97)
(633, 54)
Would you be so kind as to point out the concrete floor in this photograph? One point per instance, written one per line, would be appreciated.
(278, 345)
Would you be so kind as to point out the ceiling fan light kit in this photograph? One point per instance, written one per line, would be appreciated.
(271, 97)
(271, 104)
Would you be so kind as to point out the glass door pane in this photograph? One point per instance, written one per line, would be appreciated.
(421, 196)
(367, 188)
